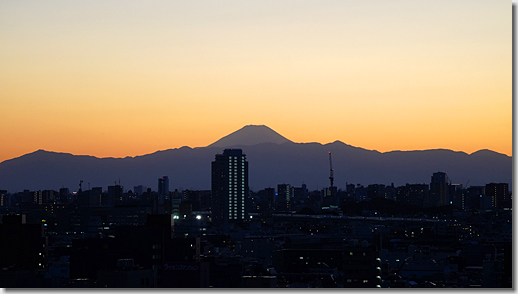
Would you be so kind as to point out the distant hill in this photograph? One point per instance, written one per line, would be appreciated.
(270, 163)
(250, 135)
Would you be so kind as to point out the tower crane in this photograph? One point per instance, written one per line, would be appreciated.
(331, 177)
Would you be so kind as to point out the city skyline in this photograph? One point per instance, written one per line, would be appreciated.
(436, 235)
(126, 78)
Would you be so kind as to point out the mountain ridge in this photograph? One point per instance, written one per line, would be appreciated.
(269, 163)
(317, 143)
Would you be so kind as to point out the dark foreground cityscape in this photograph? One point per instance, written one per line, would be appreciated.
(420, 235)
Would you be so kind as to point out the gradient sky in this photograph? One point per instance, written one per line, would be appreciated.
(126, 78)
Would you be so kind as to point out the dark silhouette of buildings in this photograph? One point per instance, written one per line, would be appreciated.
(348, 264)
(442, 235)
(5, 200)
(200, 199)
(126, 275)
(439, 195)
(64, 195)
(139, 190)
(283, 197)
(300, 193)
(23, 246)
(163, 190)
(415, 194)
(474, 198)
(92, 198)
(114, 194)
(499, 193)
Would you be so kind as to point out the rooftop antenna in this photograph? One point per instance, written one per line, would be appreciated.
(331, 177)
(80, 185)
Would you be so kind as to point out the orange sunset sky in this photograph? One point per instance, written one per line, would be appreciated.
(126, 78)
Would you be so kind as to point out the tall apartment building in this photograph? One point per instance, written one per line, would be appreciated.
(499, 193)
(5, 201)
(229, 186)
(283, 197)
(163, 190)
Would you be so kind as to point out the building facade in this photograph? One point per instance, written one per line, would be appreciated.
(229, 185)
(499, 194)
(439, 195)
(163, 189)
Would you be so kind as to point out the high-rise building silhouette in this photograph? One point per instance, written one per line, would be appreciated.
(229, 186)
(439, 189)
(115, 194)
(139, 190)
(499, 193)
(64, 195)
(37, 197)
(4, 199)
(283, 199)
(163, 189)
(417, 193)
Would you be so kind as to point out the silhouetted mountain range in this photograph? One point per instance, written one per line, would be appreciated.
(272, 159)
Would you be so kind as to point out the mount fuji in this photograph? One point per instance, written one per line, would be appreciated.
(250, 135)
